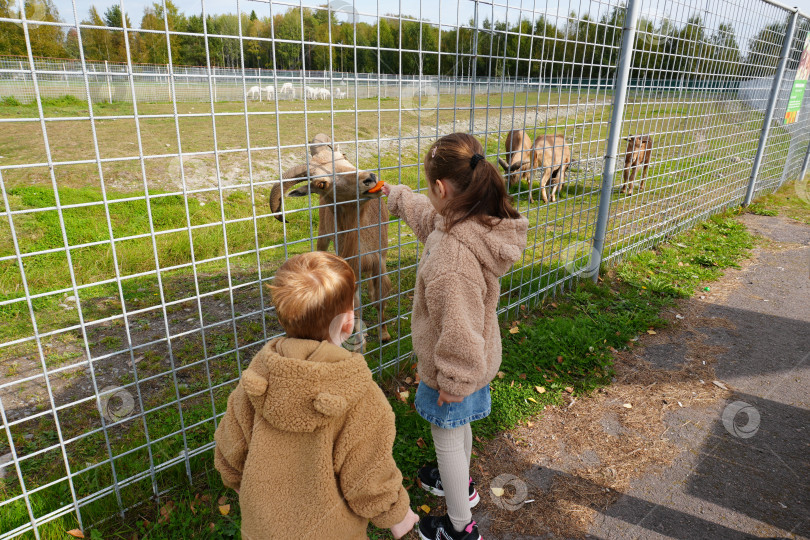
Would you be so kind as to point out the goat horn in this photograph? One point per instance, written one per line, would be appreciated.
(504, 165)
(292, 176)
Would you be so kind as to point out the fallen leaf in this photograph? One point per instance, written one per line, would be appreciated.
(569, 389)
(532, 400)
(523, 307)
(652, 332)
(554, 304)
(679, 316)
(222, 500)
(408, 380)
(192, 507)
(680, 263)
(501, 374)
(559, 359)
(420, 442)
(540, 389)
(522, 376)
(212, 526)
(76, 533)
(514, 330)
(529, 424)
(425, 508)
(416, 379)
(224, 509)
(497, 491)
(206, 498)
(403, 396)
(627, 406)
(718, 384)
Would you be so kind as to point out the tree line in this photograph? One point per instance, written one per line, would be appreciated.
(315, 39)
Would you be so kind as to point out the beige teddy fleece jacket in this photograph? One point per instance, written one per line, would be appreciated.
(307, 440)
(455, 327)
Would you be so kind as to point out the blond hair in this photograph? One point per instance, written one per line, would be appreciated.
(309, 291)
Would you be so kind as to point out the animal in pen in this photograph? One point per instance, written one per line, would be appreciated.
(552, 156)
(287, 90)
(518, 150)
(254, 92)
(270, 90)
(362, 231)
(638, 153)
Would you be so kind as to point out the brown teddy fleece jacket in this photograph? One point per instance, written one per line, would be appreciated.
(455, 327)
(307, 440)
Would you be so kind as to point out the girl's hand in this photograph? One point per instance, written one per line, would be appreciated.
(386, 189)
(445, 397)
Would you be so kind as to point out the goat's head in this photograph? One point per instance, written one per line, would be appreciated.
(329, 175)
(518, 150)
(637, 142)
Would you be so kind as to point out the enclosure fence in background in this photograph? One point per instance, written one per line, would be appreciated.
(144, 214)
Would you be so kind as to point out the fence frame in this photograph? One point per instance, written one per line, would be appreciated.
(478, 85)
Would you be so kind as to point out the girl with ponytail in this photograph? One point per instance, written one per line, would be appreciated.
(472, 235)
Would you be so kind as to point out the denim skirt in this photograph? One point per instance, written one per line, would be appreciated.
(452, 415)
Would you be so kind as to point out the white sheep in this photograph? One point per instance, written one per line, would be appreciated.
(271, 91)
(323, 93)
(311, 93)
(254, 92)
(287, 89)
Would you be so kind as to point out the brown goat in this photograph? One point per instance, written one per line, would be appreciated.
(553, 156)
(362, 231)
(639, 150)
(518, 149)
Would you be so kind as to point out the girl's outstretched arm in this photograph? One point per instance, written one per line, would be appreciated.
(415, 209)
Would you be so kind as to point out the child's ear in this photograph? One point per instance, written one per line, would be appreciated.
(441, 188)
(348, 322)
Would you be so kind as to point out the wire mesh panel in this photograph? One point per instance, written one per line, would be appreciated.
(144, 212)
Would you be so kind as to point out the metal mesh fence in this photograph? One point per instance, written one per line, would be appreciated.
(138, 234)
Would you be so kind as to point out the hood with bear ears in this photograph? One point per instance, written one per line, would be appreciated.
(301, 385)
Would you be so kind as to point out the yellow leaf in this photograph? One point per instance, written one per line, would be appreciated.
(76, 533)
(652, 332)
(497, 491)
(425, 508)
(532, 400)
(540, 389)
(501, 374)
(529, 424)
(403, 396)
(627, 406)
(224, 509)
(514, 330)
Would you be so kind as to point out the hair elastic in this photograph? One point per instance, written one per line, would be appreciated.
(475, 159)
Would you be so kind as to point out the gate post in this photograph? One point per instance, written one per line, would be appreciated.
(766, 124)
(612, 145)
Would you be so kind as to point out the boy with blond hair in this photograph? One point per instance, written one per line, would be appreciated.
(306, 440)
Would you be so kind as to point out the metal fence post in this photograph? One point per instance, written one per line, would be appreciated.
(804, 166)
(107, 77)
(775, 87)
(622, 81)
(473, 67)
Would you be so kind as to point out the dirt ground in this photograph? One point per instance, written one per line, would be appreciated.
(704, 434)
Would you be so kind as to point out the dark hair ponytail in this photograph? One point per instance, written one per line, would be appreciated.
(480, 190)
